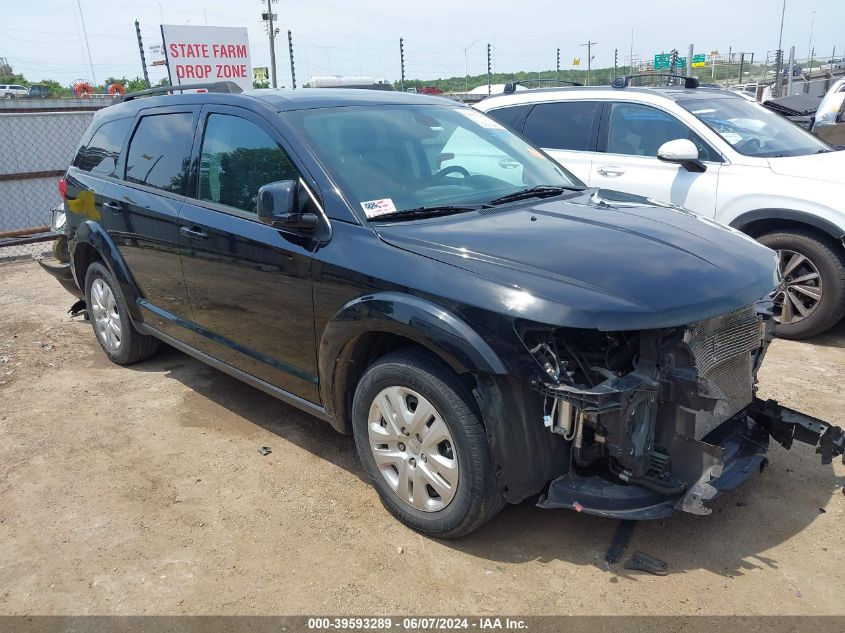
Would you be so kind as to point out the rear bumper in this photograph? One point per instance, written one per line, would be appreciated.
(63, 275)
(740, 444)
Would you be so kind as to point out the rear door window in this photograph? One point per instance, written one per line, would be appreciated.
(160, 150)
(100, 155)
(564, 125)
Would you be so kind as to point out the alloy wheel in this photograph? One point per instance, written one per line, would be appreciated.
(413, 448)
(800, 290)
(105, 315)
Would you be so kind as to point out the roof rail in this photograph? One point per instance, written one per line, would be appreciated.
(219, 86)
(625, 80)
(511, 85)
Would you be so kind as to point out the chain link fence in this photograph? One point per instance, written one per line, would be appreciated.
(36, 149)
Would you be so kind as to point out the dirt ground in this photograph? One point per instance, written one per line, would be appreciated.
(141, 490)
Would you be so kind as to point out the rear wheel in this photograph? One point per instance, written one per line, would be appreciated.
(811, 296)
(109, 316)
(423, 445)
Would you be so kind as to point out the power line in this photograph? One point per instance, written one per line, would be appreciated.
(85, 34)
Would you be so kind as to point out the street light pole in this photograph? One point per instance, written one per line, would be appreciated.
(589, 46)
(466, 65)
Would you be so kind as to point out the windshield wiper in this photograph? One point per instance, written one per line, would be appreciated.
(425, 212)
(540, 191)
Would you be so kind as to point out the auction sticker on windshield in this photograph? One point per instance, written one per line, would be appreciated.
(375, 208)
(482, 120)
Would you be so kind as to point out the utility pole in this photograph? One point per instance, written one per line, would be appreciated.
(292, 71)
(779, 56)
(402, 63)
(791, 70)
(810, 51)
(271, 32)
(615, 61)
(141, 49)
(489, 70)
(557, 68)
(589, 46)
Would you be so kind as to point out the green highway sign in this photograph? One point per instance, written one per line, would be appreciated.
(663, 61)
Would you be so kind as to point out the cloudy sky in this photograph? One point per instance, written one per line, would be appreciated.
(43, 38)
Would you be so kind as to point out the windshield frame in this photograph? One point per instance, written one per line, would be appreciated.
(296, 121)
(814, 146)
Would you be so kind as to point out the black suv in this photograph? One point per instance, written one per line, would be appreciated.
(413, 273)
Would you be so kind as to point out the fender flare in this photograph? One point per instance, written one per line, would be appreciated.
(409, 316)
(95, 236)
(826, 226)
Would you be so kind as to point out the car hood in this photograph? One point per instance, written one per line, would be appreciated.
(594, 259)
(829, 166)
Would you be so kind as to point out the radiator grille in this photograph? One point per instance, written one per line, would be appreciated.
(723, 348)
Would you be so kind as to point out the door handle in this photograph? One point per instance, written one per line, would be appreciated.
(194, 232)
(114, 207)
(506, 163)
(611, 172)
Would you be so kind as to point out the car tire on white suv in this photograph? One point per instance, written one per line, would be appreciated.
(811, 296)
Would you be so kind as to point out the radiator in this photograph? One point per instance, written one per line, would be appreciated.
(723, 348)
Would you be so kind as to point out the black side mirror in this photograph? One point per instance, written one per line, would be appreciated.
(279, 206)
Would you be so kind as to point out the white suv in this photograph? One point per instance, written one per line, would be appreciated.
(12, 90)
(715, 154)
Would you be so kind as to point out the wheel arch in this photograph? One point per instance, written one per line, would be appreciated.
(760, 221)
(369, 327)
(91, 243)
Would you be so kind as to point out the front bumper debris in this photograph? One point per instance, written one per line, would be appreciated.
(63, 275)
(739, 448)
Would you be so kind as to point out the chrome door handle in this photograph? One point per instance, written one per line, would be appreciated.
(114, 207)
(611, 172)
(508, 164)
(194, 232)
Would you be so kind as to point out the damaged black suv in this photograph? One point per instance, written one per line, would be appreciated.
(410, 271)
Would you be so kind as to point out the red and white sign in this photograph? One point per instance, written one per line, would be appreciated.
(205, 54)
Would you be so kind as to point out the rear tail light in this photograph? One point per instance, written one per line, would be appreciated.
(63, 188)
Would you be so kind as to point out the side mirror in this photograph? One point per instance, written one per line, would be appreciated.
(683, 152)
(278, 205)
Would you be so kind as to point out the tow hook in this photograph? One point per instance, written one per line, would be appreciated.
(786, 426)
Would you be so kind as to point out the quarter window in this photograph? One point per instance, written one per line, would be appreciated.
(564, 126)
(508, 116)
(638, 130)
(237, 159)
(101, 153)
(159, 152)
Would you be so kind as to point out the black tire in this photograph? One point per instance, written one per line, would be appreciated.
(829, 260)
(477, 497)
(134, 346)
(60, 249)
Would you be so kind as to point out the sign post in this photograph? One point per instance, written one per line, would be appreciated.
(203, 54)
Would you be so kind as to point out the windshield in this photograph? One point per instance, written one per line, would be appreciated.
(394, 158)
(753, 130)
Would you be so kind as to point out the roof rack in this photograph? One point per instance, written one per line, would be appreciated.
(624, 80)
(219, 86)
(511, 85)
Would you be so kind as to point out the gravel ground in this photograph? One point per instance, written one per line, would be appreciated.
(141, 490)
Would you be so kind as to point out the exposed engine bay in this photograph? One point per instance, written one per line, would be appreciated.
(662, 420)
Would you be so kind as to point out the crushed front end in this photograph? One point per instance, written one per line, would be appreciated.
(658, 421)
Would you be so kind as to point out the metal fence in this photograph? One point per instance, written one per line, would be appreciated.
(35, 150)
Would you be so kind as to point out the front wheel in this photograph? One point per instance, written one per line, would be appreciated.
(811, 296)
(423, 446)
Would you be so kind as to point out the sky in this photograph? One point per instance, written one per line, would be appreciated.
(43, 38)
